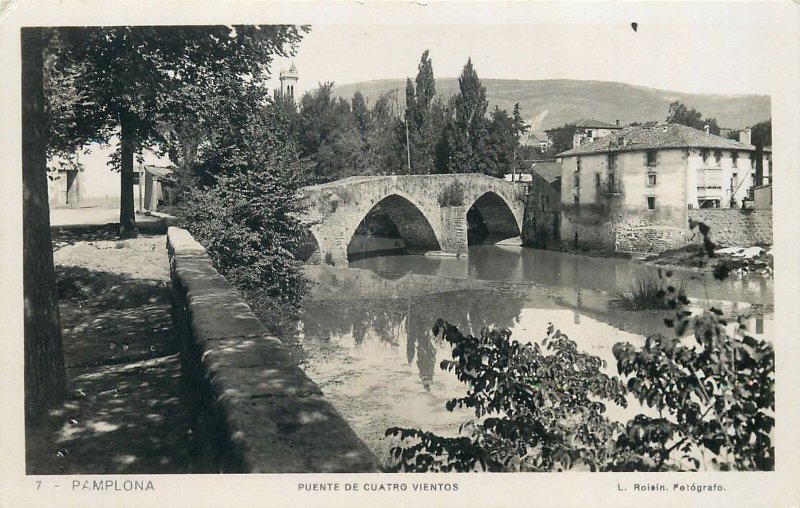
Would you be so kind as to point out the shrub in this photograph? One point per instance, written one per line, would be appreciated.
(241, 202)
(541, 403)
(538, 412)
(452, 195)
(718, 397)
(645, 293)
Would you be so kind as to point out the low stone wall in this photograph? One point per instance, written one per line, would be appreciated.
(645, 240)
(586, 230)
(735, 227)
(253, 409)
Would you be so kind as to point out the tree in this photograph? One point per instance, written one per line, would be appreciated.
(561, 138)
(133, 77)
(244, 207)
(466, 134)
(424, 125)
(679, 113)
(761, 136)
(502, 141)
(761, 133)
(45, 377)
(519, 128)
(360, 113)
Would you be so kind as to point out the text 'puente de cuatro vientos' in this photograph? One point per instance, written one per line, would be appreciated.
(428, 213)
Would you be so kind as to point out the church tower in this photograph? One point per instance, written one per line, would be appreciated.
(288, 81)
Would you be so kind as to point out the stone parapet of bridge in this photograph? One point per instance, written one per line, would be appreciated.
(432, 213)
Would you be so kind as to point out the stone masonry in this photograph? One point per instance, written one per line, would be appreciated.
(415, 203)
(735, 227)
(253, 410)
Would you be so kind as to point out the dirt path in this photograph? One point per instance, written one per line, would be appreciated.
(124, 412)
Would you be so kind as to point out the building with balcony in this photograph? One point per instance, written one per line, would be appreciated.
(631, 191)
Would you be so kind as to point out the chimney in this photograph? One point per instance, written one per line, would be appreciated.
(617, 122)
(707, 129)
(744, 136)
(577, 140)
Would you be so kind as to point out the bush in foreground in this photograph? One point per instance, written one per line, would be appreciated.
(713, 392)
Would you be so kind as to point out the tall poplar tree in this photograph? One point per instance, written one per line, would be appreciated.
(467, 143)
(424, 126)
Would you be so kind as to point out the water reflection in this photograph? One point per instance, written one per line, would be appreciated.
(409, 320)
(566, 271)
(370, 347)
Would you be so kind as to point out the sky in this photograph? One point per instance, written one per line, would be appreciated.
(720, 53)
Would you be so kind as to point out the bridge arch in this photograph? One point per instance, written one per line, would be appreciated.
(394, 222)
(309, 250)
(490, 219)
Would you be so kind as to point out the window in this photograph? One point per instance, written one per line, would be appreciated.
(577, 164)
(651, 202)
(651, 179)
(651, 157)
(135, 178)
(717, 156)
(612, 161)
(704, 155)
(734, 159)
(597, 179)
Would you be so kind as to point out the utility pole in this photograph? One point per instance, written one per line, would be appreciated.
(408, 144)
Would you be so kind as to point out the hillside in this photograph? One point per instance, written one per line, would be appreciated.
(554, 102)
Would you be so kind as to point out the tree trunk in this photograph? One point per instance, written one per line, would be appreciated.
(45, 377)
(127, 219)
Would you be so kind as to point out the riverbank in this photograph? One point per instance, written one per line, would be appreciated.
(742, 260)
(124, 412)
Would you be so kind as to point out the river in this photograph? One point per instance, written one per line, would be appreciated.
(366, 333)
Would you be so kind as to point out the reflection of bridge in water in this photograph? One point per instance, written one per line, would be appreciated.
(430, 213)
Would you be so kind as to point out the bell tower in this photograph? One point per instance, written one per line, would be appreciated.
(288, 81)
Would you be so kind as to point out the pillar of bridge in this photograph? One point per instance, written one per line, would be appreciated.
(454, 230)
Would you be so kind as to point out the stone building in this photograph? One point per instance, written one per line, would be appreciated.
(631, 191)
(589, 130)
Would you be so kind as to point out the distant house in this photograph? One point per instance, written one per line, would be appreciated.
(589, 130)
(630, 191)
(538, 141)
(88, 180)
(158, 186)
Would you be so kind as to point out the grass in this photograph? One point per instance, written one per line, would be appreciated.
(646, 293)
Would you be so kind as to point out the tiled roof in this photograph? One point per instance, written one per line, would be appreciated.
(547, 170)
(591, 123)
(537, 138)
(669, 135)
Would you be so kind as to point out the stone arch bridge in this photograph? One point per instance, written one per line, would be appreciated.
(424, 213)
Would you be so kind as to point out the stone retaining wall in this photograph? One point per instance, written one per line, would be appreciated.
(735, 227)
(254, 410)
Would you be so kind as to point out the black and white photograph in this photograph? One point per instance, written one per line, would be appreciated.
(288, 250)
